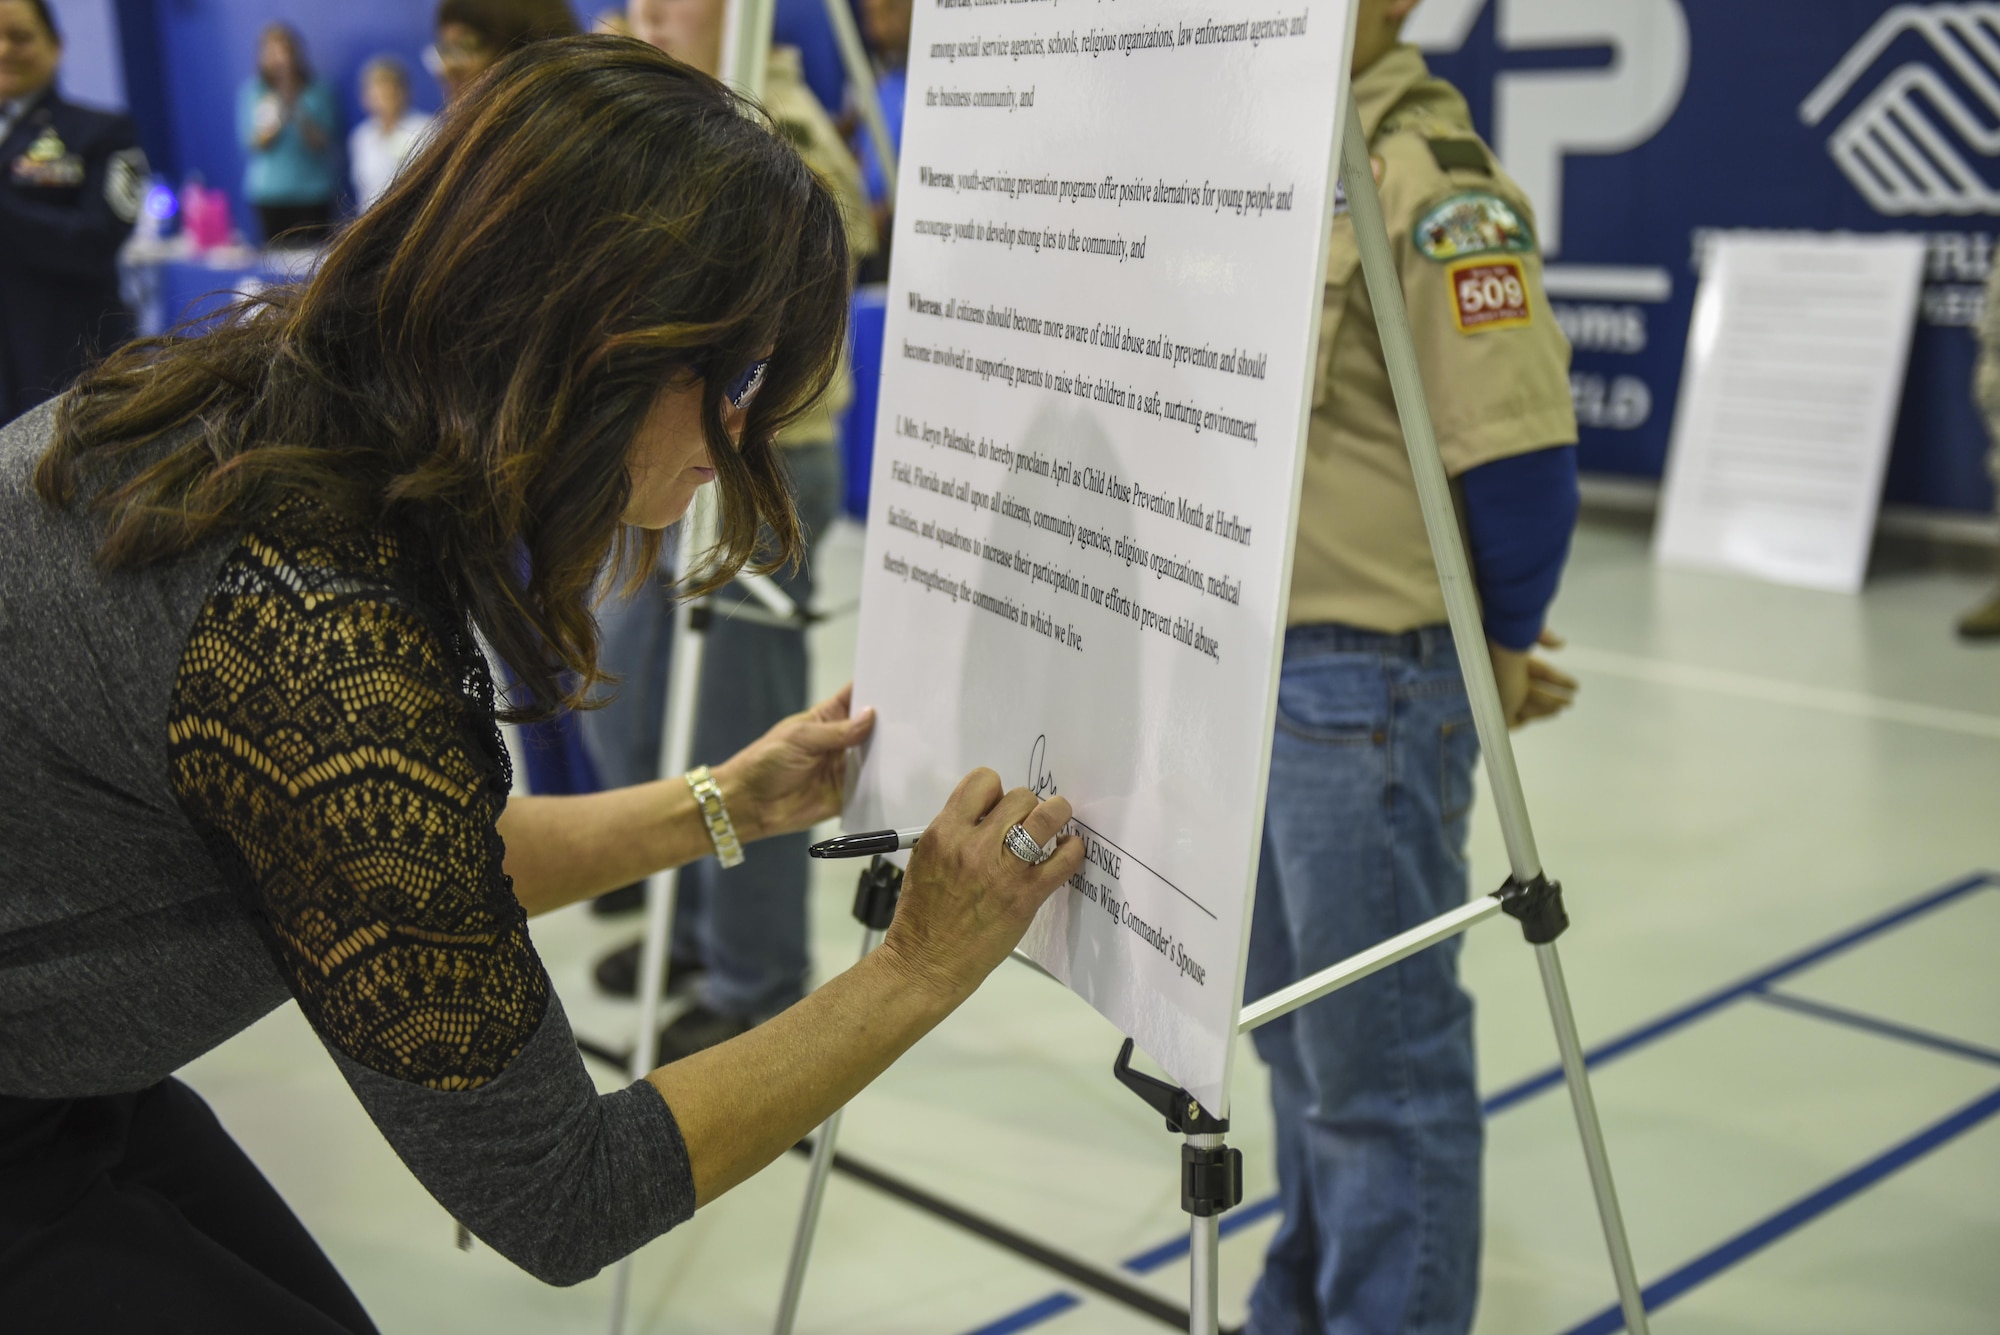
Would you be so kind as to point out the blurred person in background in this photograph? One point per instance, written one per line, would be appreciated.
(886, 23)
(289, 125)
(379, 145)
(473, 34)
(1983, 621)
(740, 936)
(71, 182)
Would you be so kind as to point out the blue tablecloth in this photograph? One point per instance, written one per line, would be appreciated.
(165, 292)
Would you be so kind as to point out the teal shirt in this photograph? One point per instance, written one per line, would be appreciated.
(289, 170)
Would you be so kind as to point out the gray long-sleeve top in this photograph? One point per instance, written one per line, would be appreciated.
(270, 769)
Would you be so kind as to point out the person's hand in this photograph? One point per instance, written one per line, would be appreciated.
(1531, 687)
(267, 120)
(791, 777)
(966, 899)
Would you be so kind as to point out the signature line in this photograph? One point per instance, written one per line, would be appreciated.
(1161, 879)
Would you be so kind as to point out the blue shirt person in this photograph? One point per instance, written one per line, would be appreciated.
(288, 124)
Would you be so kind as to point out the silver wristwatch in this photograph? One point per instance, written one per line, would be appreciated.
(721, 830)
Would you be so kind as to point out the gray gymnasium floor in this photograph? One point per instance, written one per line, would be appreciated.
(1774, 812)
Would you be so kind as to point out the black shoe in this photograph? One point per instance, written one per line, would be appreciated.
(618, 973)
(625, 899)
(698, 1029)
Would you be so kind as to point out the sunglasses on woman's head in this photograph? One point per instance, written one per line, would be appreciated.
(745, 386)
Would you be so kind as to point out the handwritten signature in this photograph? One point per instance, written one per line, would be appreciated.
(1039, 777)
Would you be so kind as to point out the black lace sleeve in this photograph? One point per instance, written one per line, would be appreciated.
(331, 734)
(326, 734)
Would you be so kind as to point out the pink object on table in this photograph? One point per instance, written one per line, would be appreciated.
(205, 215)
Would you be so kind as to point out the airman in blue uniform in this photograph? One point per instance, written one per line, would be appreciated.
(71, 183)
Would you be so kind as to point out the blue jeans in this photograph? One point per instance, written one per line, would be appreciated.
(747, 925)
(1377, 1107)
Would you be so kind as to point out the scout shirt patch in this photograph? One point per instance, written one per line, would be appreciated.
(1489, 294)
(1472, 224)
(1461, 155)
(48, 163)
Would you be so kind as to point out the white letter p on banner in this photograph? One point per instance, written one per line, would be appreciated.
(1540, 115)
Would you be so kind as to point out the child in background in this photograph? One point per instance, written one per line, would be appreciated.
(378, 147)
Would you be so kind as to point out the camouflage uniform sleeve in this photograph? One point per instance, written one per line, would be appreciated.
(1986, 374)
(1495, 363)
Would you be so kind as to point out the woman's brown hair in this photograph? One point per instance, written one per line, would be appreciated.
(295, 51)
(476, 354)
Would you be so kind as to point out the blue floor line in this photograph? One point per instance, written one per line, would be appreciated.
(1874, 1024)
(1796, 1215)
(1032, 1315)
(1714, 1001)
(1243, 1216)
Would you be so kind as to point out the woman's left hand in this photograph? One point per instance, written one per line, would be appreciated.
(791, 778)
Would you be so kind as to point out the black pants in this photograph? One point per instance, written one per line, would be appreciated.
(138, 1213)
(295, 224)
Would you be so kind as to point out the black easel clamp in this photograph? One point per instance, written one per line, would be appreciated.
(1184, 1113)
(1538, 906)
(876, 893)
(1211, 1177)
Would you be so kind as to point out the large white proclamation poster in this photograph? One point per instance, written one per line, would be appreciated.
(1107, 275)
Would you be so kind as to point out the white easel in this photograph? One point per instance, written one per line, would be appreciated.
(1528, 894)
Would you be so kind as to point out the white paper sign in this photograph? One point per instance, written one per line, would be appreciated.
(1106, 287)
(1794, 372)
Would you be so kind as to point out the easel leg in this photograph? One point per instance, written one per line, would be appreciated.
(874, 908)
(1204, 1260)
(822, 1164)
(676, 747)
(1211, 1182)
(1592, 1135)
(1433, 488)
(795, 1272)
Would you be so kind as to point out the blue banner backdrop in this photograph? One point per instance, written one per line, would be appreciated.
(1641, 126)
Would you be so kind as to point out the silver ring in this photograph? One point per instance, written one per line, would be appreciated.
(1023, 846)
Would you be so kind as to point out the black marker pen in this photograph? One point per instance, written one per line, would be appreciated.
(866, 845)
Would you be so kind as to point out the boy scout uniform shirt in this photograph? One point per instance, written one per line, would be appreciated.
(1495, 365)
(806, 126)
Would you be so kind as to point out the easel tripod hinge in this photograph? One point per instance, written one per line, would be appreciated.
(1537, 906)
(1211, 1174)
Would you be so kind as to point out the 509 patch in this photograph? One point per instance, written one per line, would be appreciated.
(1476, 223)
(1489, 294)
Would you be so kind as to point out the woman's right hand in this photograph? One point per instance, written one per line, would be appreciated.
(966, 899)
(966, 903)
